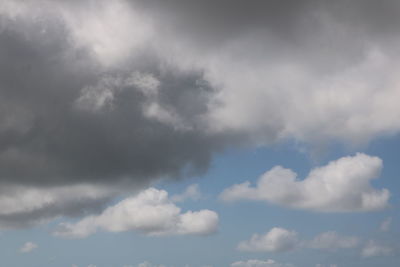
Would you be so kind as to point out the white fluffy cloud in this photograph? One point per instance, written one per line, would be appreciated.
(28, 247)
(287, 98)
(150, 212)
(341, 186)
(260, 263)
(374, 249)
(276, 240)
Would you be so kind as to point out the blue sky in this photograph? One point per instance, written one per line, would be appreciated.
(199, 133)
(238, 221)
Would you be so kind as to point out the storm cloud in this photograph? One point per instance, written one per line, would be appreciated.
(67, 118)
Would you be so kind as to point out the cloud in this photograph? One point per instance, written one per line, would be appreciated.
(260, 263)
(28, 247)
(151, 212)
(332, 241)
(385, 225)
(80, 108)
(72, 120)
(24, 206)
(197, 103)
(340, 186)
(276, 240)
(191, 192)
(92, 93)
(282, 240)
(295, 61)
(148, 264)
(374, 249)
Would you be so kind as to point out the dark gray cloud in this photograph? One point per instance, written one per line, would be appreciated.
(25, 219)
(75, 133)
(26, 206)
(47, 139)
(320, 32)
(212, 22)
(232, 17)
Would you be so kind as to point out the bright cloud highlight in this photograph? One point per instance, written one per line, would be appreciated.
(150, 212)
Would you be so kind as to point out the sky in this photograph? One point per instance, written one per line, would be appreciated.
(229, 133)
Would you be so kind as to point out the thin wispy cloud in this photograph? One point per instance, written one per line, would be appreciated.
(28, 247)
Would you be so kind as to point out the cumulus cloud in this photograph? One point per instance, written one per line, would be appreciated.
(375, 249)
(276, 240)
(340, 186)
(151, 212)
(260, 263)
(28, 247)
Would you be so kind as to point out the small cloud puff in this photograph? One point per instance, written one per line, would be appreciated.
(374, 249)
(276, 240)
